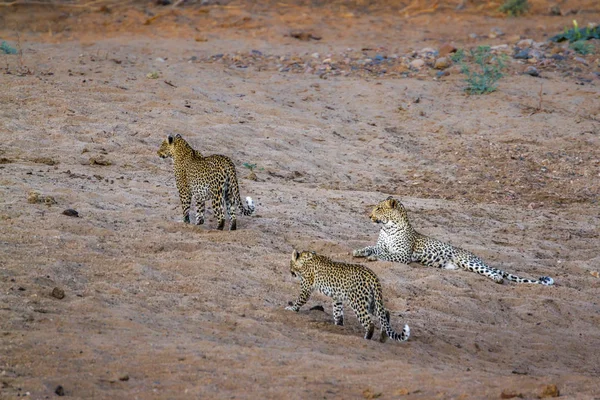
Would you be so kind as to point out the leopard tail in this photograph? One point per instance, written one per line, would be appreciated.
(543, 280)
(248, 208)
(384, 317)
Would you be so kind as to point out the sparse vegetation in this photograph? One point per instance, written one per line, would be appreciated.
(5, 48)
(488, 71)
(582, 47)
(514, 8)
(249, 166)
(575, 34)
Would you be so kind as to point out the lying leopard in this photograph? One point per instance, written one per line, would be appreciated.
(353, 283)
(205, 178)
(399, 242)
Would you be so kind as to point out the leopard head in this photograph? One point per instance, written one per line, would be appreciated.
(389, 210)
(166, 148)
(299, 263)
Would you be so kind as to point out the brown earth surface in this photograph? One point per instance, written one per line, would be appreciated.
(154, 308)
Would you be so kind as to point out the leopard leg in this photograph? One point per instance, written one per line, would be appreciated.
(200, 208)
(230, 205)
(383, 336)
(364, 252)
(186, 202)
(302, 298)
(360, 308)
(217, 205)
(338, 313)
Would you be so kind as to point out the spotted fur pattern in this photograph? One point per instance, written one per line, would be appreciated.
(352, 283)
(205, 178)
(399, 242)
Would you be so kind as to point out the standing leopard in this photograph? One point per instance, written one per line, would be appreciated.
(353, 283)
(399, 242)
(205, 178)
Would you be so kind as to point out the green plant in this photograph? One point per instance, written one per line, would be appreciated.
(7, 49)
(582, 47)
(514, 8)
(575, 34)
(249, 166)
(489, 70)
(458, 56)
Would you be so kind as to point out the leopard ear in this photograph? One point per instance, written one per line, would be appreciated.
(390, 197)
(392, 202)
(295, 255)
(178, 136)
(170, 139)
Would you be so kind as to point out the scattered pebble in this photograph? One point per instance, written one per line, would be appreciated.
(58, 293)
(60, 391)
(441, 63)
(304, 35)
(549, 391)
(445, 49)
(595, 274)
(124, 378)
(100, 160)
(522, 54)
(525, 43)
(532, 71)
(510, 394)
(34, 197)
(417, 64)
(69, 212)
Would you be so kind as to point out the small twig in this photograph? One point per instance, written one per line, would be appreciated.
(540, 94)
(170, 84)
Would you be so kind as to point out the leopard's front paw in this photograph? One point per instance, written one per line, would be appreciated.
(293, 308)
(372, 258)
(361, 253)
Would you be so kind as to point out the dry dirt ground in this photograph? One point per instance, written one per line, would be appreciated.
(154, 308)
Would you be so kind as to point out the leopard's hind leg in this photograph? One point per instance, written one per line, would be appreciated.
(361, 307)
(230, 205)
(338, 313)
(217, 206)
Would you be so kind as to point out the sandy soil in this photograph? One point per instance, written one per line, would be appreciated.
(154, 308)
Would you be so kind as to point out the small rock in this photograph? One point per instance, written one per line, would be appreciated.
(473, 36)
(315, 55)
(549, 391)
(317, 308)
(441, 74)
(124, 378)
(595, 274)
(441, 63)
(58, 293)
(305, 36)
(60, 391)
(446, 48)
(555, 10)
(522, 54)
(34, 197)
(100, 160)
(532, 71)
(510, 394)
(69, 212)
(495, 32)
(525, 43)
(417, 64)
(581, 60)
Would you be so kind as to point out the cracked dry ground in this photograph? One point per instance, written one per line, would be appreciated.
(154, 308)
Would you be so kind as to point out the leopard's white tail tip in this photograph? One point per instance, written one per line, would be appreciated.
(406, 332)
(249, 201)
(546, 280)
